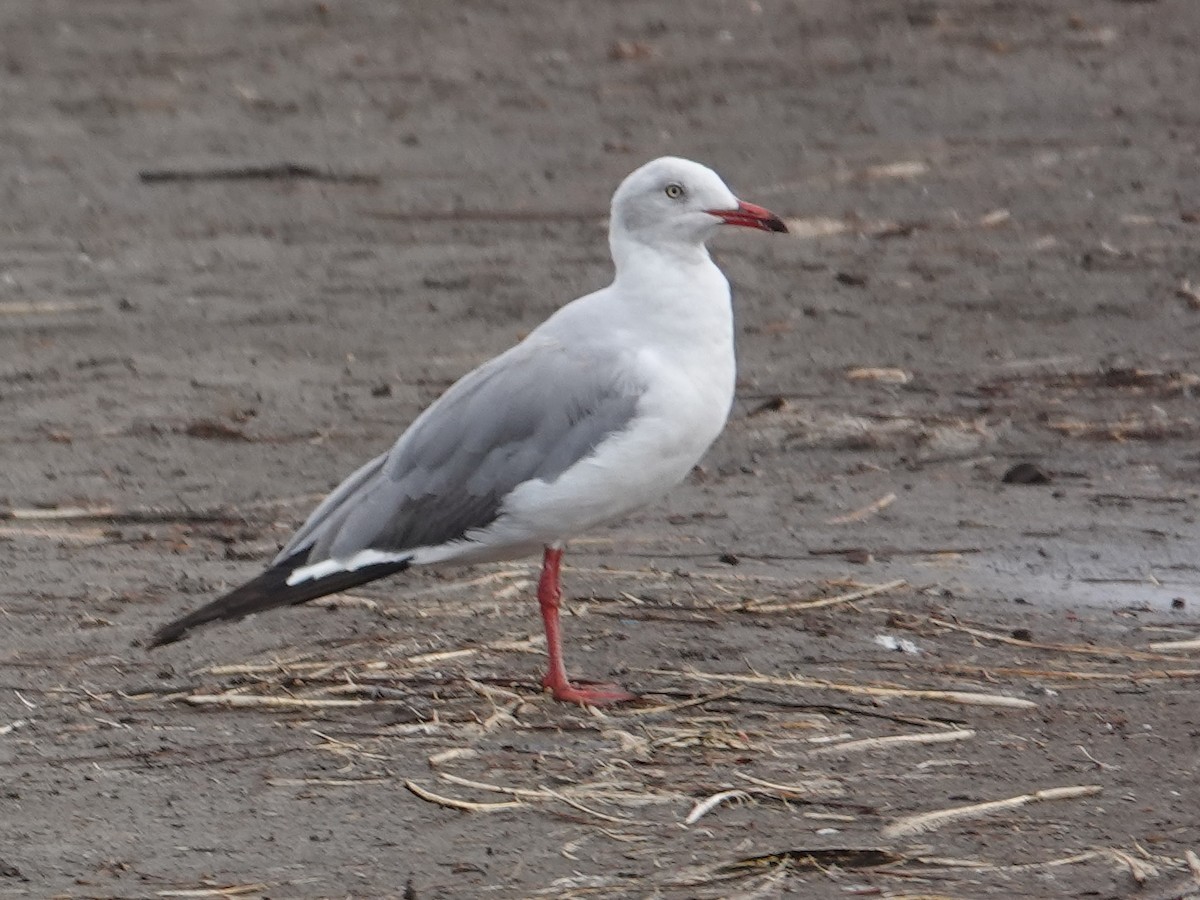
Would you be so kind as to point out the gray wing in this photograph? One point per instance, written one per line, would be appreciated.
(329, 506)
(531, 413)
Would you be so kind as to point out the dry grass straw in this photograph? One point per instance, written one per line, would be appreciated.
(644, 711)
(708, 804)
(149, 515)
(881, 374)
(574, 797)
(453, 803)
(931, 821)
(1137, 676)
(966, 698)
(260, 701)
(658, 759)
(979, 865)
(81, 536)
(49, 307)
(326, 782)
(815, 787)
(509, 579)
(316, 684)
(761, 606)
(1131, 429)
(324, 684)
(233, 890)
(1118, 653)
(859, 515)
(882, 743)
(58, 514)
(1176, 646)
(762, 875)
(314, 670)
(1139, 869)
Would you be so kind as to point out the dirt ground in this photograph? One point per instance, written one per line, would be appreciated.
(243, 244)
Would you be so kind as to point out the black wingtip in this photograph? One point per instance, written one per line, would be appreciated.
(269, 591)
(168, 634)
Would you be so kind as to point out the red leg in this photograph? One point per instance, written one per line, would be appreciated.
(550, 599)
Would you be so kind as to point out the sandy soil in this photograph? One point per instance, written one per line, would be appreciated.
(996, 214)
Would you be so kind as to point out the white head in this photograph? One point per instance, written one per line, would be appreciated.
(673, 201)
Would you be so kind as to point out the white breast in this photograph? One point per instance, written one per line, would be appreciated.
(682, 350)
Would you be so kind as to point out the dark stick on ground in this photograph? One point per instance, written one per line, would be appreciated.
(267, 172)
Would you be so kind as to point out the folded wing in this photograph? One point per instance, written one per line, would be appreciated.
(531, 413)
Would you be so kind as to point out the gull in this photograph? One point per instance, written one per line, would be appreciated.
(600, 410)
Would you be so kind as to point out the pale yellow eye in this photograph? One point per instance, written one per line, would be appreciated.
(674, 191)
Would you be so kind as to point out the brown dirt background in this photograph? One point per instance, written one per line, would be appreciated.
(998, 197)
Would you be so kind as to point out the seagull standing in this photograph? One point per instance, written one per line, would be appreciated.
(600, 410)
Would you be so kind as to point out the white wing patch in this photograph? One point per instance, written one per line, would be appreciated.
(359, 560)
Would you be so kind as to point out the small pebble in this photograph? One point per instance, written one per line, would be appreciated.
(1026, 473)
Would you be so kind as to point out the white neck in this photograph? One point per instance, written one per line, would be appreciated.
(632, 255)
(675, 293)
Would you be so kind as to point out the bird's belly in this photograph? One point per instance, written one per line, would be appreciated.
(597, 490)
(629, 470)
